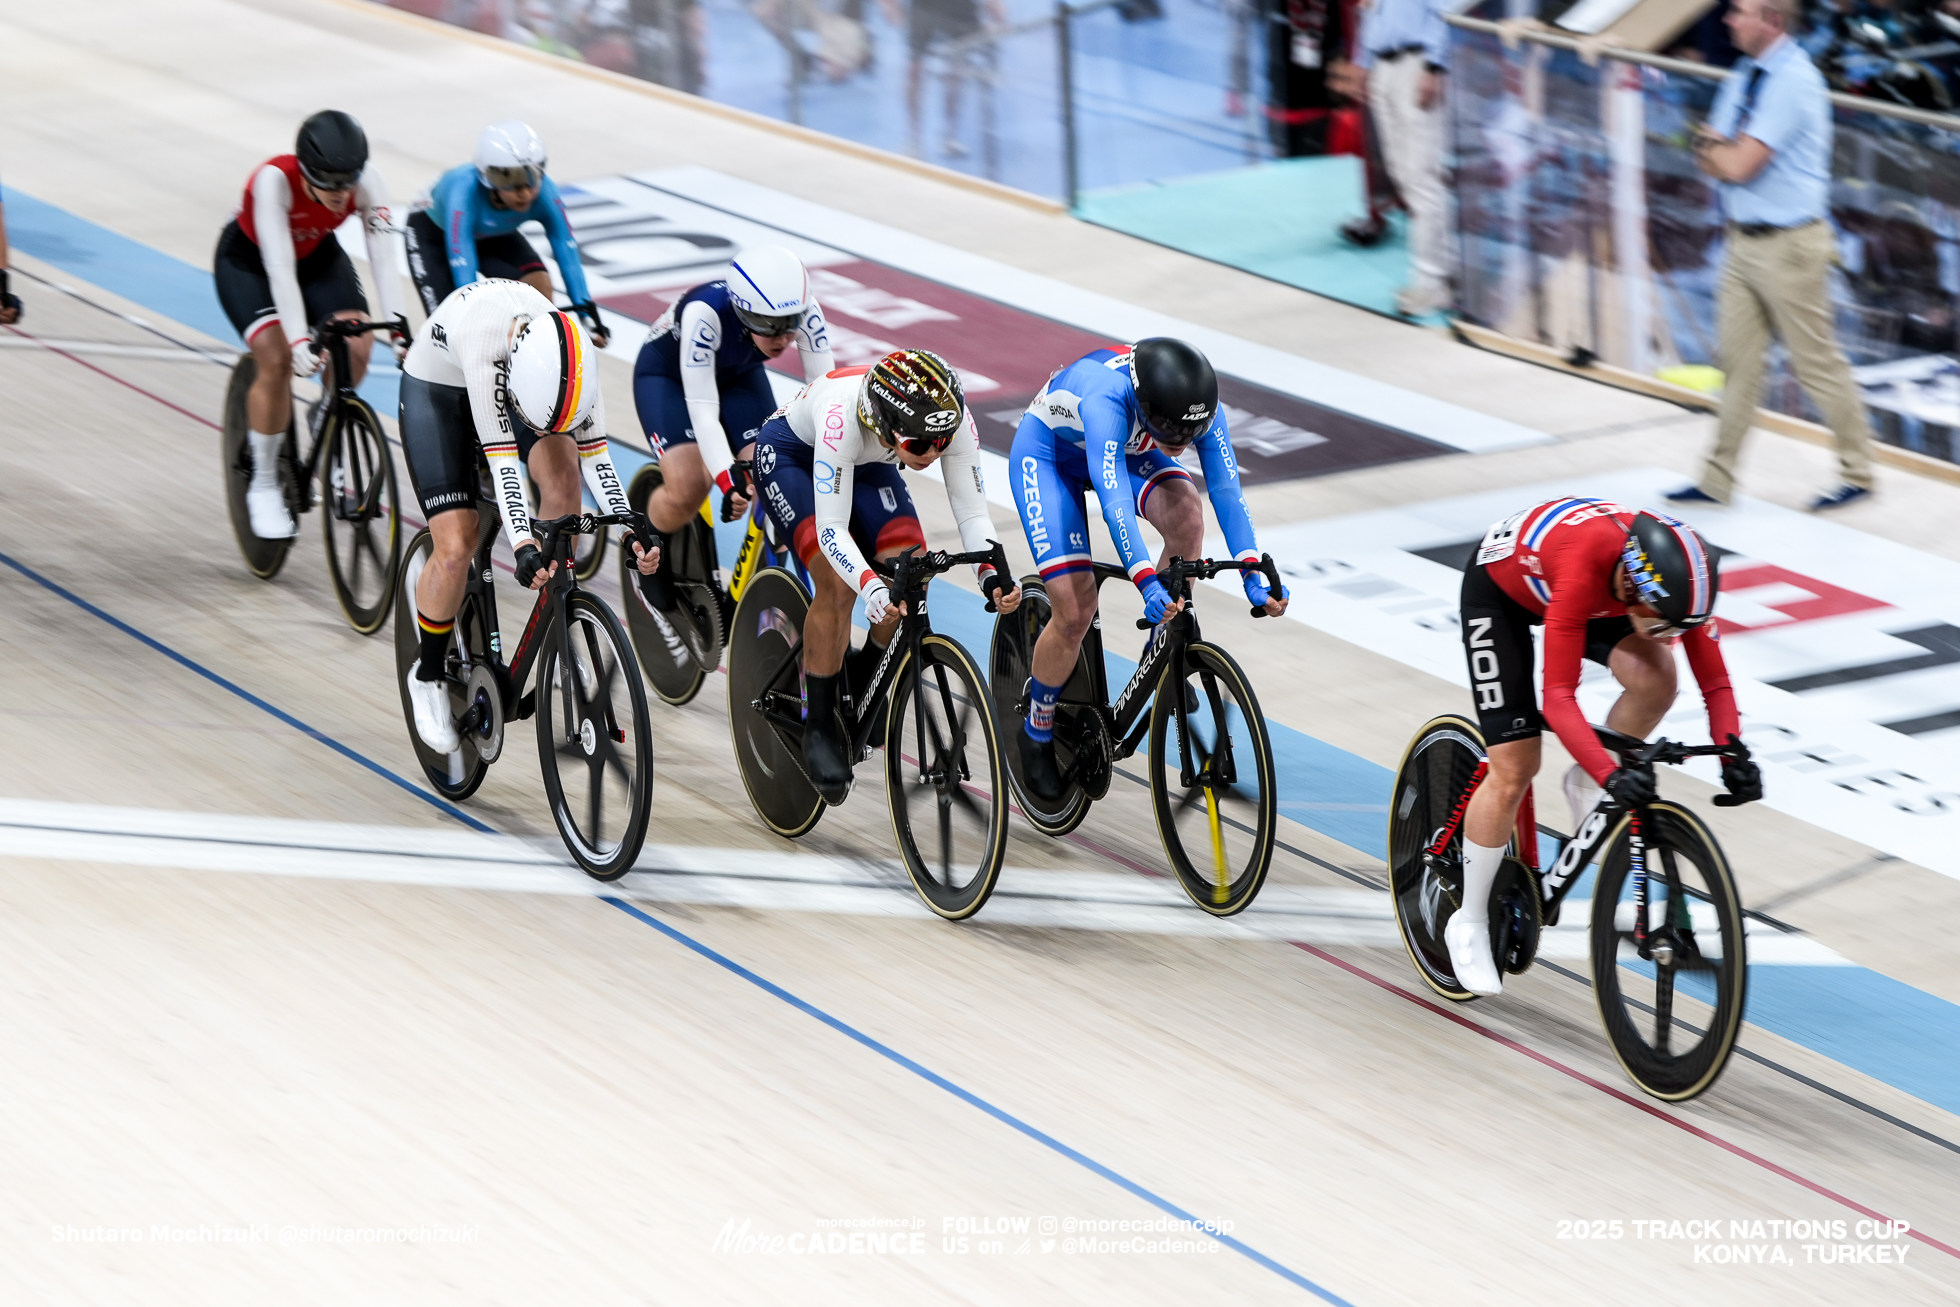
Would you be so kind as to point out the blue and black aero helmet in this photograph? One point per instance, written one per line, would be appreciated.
(1176, 389)
(1671, 570)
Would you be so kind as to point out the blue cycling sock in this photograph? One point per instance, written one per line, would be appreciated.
(1041, 711)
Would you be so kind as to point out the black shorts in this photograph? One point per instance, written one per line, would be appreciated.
(509, 256)
(327, 282)
(1497, 643)
(445, 459)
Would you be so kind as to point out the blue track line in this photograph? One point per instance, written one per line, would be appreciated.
(448, 809)
(972, 1100)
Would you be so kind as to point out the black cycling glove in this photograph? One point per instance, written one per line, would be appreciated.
(1743, 778)
(590, 312)
(1631, 786)
(530, 562)
(9, 300)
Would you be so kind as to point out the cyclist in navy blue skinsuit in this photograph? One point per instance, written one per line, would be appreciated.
(1118, 418)
(702, 390)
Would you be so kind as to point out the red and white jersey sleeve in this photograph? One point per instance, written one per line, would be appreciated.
(1558, 559)
(287, 225)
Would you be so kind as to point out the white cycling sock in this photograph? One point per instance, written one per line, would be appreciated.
(265, 459)
(1479, 875)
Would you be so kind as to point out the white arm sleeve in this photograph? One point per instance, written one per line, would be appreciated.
(966, 491)
(481, 347)
(835, 474)
(378, 222)
(272, 213)
(595, 461)
(813, 342)
(700, 338)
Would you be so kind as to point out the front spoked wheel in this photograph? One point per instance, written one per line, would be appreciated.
(456, 775)
(945, 779)
(1671, 996)
(362, 517)
(595, 740)
(765, 675)
(264, 557)
(1211, 780)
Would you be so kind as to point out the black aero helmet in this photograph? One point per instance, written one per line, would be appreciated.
(1176, 389)
(1671, 570)
(912, 398)
(332, 150)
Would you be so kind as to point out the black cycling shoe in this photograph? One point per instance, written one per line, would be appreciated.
(860, 665)
(826, 757)
(1038, 767)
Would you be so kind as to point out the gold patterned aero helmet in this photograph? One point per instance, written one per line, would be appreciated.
(911, 399)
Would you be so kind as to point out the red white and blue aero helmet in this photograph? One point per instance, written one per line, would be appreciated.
(1671, 570)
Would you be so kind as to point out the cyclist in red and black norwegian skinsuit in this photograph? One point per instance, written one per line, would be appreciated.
(1609, 584)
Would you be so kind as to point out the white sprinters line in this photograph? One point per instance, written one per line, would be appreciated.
(1432, 419)
(446, 858)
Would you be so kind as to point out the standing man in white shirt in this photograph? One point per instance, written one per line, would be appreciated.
(1400, 63)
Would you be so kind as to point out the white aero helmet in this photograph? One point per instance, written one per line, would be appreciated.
(768, 289)
(552, 378)
(508, 155)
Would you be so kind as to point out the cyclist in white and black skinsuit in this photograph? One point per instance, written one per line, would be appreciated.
(496, 369)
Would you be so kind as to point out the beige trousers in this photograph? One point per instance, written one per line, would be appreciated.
(1776, 286)
(1412, 149)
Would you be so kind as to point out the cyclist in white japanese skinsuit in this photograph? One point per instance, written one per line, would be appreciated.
(827, 467)
(496, 372)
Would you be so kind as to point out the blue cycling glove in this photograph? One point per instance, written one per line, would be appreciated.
(1256, 591)
(1156, 600)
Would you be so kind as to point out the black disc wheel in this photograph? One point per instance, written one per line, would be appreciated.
(945, 780)
(1010, 668)
(263, 557)
(1211, 780)
(1426, 887)
(1671, 995)
(677, 649)
(595, 739)
(765, 682)
(362, 517)
(455, 775)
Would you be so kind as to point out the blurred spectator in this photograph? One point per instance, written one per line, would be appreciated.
(10, 306)
(670, 38)
(1768, 142)
(1307, 41)
(950, 31)
(1368, 230)
(1400, 62)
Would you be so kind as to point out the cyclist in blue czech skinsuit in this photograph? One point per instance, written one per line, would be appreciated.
(1117, 419)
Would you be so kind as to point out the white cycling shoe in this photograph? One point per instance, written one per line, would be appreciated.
(432, 720)
(1470, 957)
(271, 519)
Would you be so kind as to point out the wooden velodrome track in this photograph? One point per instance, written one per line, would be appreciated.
(280, 1029)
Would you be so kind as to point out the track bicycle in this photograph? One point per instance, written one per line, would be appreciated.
(595, 742)
(1211, 762)
(1669, 959)
(678, 649)
(356, 475)
(927, 704)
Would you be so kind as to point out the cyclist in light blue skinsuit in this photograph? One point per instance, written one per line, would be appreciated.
(468, 228)
(1118, 418)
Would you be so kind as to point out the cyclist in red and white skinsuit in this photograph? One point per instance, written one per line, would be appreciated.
(279, 270)
(1608, 584)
